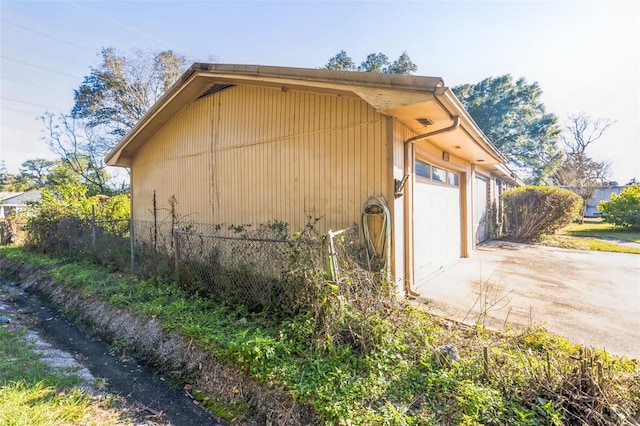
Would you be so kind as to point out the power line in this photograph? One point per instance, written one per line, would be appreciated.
(114, 21)
(28, 84)
(38, 66)
(17, 111)
(45, 35)
(31, 103)
(53, 37)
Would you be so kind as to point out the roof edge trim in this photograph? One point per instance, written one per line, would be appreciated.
(349, 80)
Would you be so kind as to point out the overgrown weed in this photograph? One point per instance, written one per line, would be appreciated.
(357, 355)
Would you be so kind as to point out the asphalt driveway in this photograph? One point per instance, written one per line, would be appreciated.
(589, 297)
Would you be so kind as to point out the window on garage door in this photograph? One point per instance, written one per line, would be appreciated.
(436, 219)
(428, 173)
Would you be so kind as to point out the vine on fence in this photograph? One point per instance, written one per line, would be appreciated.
(264, 267)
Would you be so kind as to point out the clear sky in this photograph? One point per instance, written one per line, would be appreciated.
(584, 55)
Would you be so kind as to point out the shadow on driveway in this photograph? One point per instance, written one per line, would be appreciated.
(590, 297)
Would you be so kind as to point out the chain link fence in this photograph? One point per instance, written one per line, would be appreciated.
(253, 265)
(11, 230)
(152, 249)
(111, 242)
(244, 265)
(370, 292)
(345, 251)
(259, 266)
(107, 241)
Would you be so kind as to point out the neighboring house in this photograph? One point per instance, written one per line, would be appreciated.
(13, 202)
(244, 144)
(602, 193)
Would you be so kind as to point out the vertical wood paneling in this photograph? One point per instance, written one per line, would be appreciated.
(254, 154)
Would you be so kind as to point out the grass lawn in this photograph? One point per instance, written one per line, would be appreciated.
(600, 229)
(594, 234)
(33, 393)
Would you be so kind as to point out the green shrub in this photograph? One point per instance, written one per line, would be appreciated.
(534, 211)
(623, 209)
(61, 219)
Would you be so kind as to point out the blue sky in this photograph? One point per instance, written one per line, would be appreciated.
(584, 55)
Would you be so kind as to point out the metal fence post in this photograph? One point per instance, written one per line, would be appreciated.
(93, 228)
(132, 246)
(332, 256)
(176, 247)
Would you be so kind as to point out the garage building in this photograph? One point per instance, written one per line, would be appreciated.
(248, 144)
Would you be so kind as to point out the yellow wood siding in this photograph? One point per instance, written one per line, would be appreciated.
(400, 134)
(248, 155)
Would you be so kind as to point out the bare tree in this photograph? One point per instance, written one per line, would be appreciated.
(121, 89)
(108, 103)
(77, 145)
(583, 131)
(578, 172)
(582, 175)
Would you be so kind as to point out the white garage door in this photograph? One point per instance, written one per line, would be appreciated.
(436, 220)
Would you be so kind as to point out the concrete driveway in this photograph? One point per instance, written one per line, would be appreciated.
(589, 297)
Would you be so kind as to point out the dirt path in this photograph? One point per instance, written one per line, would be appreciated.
(155, 401)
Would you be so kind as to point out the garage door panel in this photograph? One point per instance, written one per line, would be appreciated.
(436, 227)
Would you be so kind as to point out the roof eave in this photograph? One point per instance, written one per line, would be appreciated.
(115, 157)
(320, 77)
(200, 76)
(404, 95)
(505, 172)
(450, 101)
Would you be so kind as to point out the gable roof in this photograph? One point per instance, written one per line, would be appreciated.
(422, 103)
(19, 198)
(8, 195)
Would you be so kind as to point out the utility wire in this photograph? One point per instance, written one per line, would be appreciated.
(30, 103)
(54, 37)
(40, 67)
(134, 30)
(4, 79)
(7, 110)
(70, 43)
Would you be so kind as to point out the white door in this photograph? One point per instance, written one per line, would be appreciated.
(436, 225)
(480, 209)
